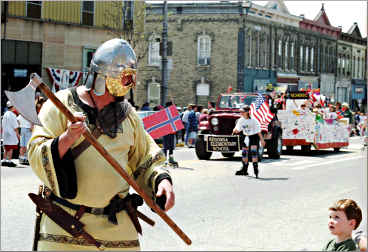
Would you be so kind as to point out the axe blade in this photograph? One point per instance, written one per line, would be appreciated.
(24, 101)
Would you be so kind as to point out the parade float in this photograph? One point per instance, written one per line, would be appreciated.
(311, 127)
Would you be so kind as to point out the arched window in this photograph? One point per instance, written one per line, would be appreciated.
(204, 50)
(154, 57)
(154, 92)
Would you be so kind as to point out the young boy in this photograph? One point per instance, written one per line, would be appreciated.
(345, 216)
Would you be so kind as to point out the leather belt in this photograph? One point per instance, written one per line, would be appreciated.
(117, 204)
(91, 210)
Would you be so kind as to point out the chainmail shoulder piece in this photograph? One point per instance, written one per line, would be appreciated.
(109, 119)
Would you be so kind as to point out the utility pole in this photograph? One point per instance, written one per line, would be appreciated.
(164, 71)
(243, 4)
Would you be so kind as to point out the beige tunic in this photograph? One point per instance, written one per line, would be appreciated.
(97, 181)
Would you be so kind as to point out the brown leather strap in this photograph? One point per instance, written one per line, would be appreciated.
(80, 212)
(132, 212)
(145, 218)
(85, 143)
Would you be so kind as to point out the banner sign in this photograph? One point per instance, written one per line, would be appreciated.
(297, 95)
(222, 143)
(63, 78)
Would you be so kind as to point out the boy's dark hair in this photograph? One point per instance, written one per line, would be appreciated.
(350, 208)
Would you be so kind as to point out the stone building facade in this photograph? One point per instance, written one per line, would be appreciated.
(222, 45)
(204, 58)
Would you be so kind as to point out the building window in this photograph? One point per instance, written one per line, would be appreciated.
(250, 35)
(301, 59)
(306, 58)
(86, 60)
(128, 13)
(87, 12)
(154, 93)
(312, 59)
(292, 56)
(327, 60)
(154, 58)
(286, 58)
(34, 9)
(363, 68)
(18, 52)
(280, 48)
(204, 50)
(254, 52)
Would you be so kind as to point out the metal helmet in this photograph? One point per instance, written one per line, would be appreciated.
(113, 66)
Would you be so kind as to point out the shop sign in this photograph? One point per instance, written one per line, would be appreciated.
(20, 72)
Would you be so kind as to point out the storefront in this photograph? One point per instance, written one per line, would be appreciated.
(308, 82)
(358, 94)
(19, 59)
(257, 79)
(287, 81)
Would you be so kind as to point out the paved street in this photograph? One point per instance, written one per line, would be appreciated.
(286, 209)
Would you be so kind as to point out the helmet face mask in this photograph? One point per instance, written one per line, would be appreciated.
(120, 86)
(113, 67)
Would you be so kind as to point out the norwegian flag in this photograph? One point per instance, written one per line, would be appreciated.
(260, 111)
(163, 122)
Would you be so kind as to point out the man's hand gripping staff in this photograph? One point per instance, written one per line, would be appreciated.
(77, 127)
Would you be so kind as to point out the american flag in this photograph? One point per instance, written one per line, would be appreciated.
(260, 111)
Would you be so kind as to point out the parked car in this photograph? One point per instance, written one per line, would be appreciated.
(215, 133)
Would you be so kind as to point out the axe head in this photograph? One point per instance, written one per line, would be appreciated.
(24, 101)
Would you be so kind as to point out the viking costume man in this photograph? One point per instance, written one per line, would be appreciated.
(77, 178)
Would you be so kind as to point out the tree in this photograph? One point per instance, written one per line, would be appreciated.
(125, 19)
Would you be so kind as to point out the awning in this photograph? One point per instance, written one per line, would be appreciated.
(287, 78)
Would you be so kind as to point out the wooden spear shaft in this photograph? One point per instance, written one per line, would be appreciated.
(46, 90)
